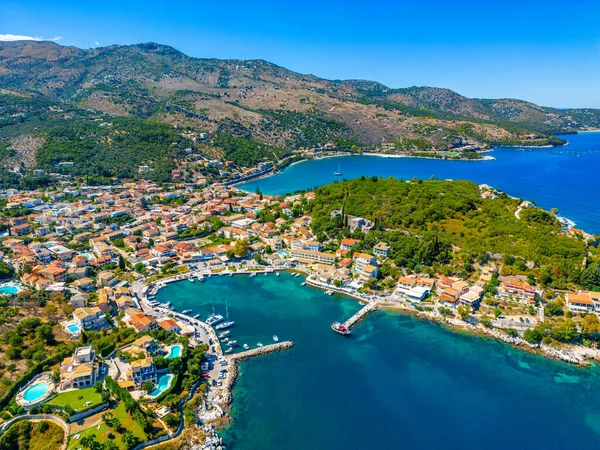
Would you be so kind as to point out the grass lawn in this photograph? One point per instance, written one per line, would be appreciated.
(77, 398)
(127, 423)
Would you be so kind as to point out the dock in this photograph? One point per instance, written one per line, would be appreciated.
(262, 350)
(360, 315)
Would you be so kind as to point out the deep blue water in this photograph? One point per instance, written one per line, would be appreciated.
(563, 177)
(397, 382)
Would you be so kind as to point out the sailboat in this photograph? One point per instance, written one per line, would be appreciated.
(338, 173)
(227, 323)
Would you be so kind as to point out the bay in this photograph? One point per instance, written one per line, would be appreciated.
(560, 177)
(396, 382)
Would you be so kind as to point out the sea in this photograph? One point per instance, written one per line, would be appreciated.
(566, 178)
(397, 382)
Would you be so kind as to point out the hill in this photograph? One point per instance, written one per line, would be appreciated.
(449, 227)
(42, 83)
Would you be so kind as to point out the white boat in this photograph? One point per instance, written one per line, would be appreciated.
(276, 274)
(195, 316)
(275, 338)
(229, 350)
(223, 334)
(232, 343)
(303, 283)
(186, 311)
(337, 173)
(231, 274)
(214, 319)
(166, 305)
(246, 346)
(191, 280)
(266, 273)
(224, 325)
(258, 344)
(329, 292)
(200, 278)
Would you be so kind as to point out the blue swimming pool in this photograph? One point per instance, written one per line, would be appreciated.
(163, 384)
(73, 328)
(8, 290)
(174, 352)
(35, 392)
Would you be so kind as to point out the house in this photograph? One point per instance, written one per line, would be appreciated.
(348, 243)
(141, 371)
(80, 370)
(364, 225)
(124, 302)
(361, 260)
(107, 279)
(581, 302)
(143, 323)
(90, 318)
(523, 292)
(368, 271)
(79, 301)
(382, 250)
(170, 325)
(148, 344)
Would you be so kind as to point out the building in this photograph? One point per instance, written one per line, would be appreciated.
(382, 250)
(309, 255)
(147, 344)
(362, 260)
(90, 318)
(523, 292)
(581, 302)
(80, 370)
(141, 371)
(170, 325)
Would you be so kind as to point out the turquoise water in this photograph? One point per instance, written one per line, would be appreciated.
(163, 384)
(396, 382)
(35, 392)
(73, 328)
(8, 290)
(174, 352)
(562, 177)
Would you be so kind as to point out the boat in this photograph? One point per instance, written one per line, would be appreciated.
(223, 334)
(276, 274)
(329, 292)
(258, 344)
(172, 308)
(186, 311)
(167, 304)
(337, 173)
(297, 275)
(266, 273)
(275, 338)
(303, 283)
(226, 340)
(340, 329)
(214, 319)
(191, 280)
(195, 316)
(232, 343)
(246, 346)
(229, 350)
(200, 278)
(224, 325)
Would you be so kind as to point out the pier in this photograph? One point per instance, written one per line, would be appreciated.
(360, 315)
(262, 350)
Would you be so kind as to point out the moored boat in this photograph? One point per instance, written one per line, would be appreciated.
(275, 338)
(223, 334)
(214, 319)
(224, 325)
(246, 346)
(340, 329)
(259, 344)
(186, 311)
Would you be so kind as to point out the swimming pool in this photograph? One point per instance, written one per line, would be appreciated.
(35, 392)
(73, 328)
(174, 351)
(163, 384)
(8, 290)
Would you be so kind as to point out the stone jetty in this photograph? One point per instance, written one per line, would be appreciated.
(262, 350)
(360, 315)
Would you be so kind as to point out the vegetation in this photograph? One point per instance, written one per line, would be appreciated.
(77, 399)
(32, 436)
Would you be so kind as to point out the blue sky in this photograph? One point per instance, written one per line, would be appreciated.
(547, 52)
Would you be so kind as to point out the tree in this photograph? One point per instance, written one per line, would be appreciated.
(464, 312)
(240, 248)
(590, 325)
(121, 262)
(45, 334)
(147, 386)
(553, 309)
(497, 313)
(130, 439)
(485, 321)
(140, 268)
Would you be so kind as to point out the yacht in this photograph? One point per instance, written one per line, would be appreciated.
(258, 344)
(224, 325)
(337, 173)
(339, 328)
(223, 334)
(329, 292)
(214, 319)
(186, 311)
(232, 343)
(200, 278)
(246, 346)
(303, 283)
(275, 338)
(195, 316)
(191, 280)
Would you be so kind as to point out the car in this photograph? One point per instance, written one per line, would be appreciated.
(205, 375)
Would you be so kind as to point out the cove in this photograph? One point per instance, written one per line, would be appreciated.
(397, 382)
(561, 177)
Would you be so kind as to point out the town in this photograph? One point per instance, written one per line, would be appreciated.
(87, 261)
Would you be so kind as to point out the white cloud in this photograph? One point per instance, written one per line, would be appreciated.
(97, 44)
(20, 37)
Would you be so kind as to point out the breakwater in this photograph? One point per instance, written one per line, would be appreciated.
(262, 350)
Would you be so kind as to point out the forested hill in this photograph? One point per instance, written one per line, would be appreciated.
(43, 84)
(448, 226)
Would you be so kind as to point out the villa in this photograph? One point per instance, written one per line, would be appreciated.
(90, 318)
(382, 250)
(80, 370)
(147, 344)
(141, 371)
(581, 302)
